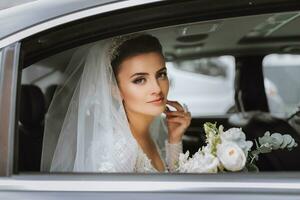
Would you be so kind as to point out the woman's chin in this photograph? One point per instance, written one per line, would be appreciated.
(157, 111)
(153, 110)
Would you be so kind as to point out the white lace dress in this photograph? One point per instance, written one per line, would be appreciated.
(123, 160)
(169, 153)
(169, 156)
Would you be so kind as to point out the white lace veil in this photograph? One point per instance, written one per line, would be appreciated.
(86, 128)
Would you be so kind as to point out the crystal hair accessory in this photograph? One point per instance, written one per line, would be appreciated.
(117, 42)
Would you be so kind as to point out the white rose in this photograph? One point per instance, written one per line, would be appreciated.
(204, 163)
(200, 163)
(237, 136)
(231, 156)
(234, 134)
(210, 164)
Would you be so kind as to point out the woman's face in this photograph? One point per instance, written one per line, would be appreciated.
(144, 84)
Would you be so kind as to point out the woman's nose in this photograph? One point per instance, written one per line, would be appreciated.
(155, 87)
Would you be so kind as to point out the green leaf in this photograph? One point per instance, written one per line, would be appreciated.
(251, 167)
(266, 148)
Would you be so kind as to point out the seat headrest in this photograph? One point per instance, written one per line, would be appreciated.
(271, 124)
(32, 106)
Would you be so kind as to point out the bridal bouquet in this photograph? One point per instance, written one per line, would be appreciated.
(230, 151)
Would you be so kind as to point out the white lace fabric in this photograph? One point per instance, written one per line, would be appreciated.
(170, 160)
(172, 155)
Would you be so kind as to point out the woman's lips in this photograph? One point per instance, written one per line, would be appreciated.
(157, 101)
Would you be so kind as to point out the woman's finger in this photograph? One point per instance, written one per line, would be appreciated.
(176, 113)
(167, 109)
(176, 105)
(179, 120)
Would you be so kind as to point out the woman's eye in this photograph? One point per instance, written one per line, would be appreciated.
(139, 81)
(162, 75)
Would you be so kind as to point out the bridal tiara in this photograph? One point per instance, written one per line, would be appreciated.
(117, 42)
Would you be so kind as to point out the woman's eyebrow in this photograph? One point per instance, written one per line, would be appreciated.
(144, 73)
(161, 69)
(139, 73)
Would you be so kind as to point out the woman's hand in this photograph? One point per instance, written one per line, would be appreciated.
(177, 121)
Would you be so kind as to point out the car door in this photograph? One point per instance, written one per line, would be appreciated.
(62, 33)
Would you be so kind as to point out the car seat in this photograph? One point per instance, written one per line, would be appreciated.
(31, 127)
(255, 125)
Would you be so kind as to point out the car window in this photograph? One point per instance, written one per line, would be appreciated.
(40, 75)
(210, 92)
(205, 84)
(210, 81)
(282, 83)
(47, 72)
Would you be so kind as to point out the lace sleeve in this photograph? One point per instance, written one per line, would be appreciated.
(159, 133)
(172, 155)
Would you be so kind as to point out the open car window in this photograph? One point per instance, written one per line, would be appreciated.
(282, 71)
(209, 84)
(205, 84)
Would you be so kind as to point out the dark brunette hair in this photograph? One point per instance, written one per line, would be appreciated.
(137, 45)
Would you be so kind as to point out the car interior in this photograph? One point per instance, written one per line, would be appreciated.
(249, 39)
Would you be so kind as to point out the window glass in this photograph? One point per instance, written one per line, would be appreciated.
(47, 72)
(206, 85)
(282, 83)
(40, 76)
(38, 85)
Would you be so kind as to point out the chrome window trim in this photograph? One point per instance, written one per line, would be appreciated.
(8, 89)
(84, 185)
(72, 17)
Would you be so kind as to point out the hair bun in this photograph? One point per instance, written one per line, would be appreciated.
(118, 41)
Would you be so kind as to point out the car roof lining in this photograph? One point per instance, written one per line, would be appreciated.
(225, 40)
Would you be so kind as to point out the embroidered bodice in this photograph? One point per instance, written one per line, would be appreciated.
(169, 156)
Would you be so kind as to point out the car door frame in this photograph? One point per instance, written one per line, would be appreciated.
(8, 90)
(192, 184)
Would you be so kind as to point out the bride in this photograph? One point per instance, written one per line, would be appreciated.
(112, 113)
